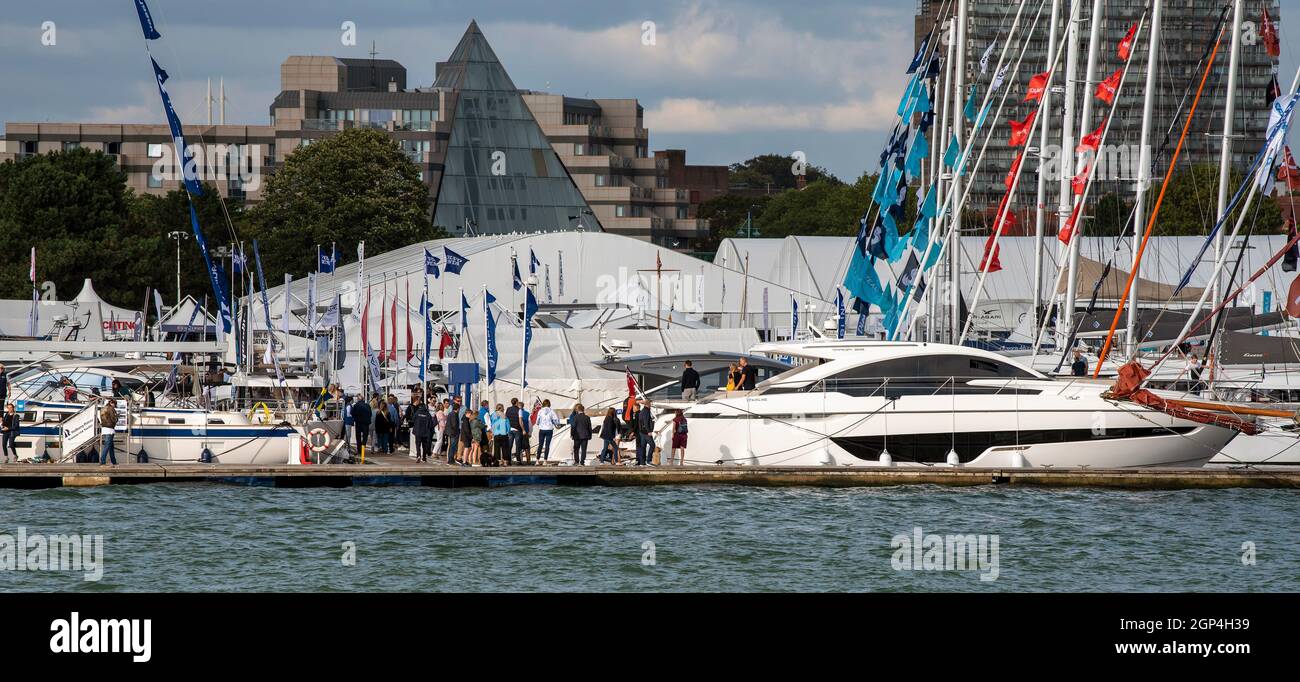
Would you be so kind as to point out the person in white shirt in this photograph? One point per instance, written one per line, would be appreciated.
(547, 420)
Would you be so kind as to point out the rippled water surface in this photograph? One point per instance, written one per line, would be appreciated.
(202, 537)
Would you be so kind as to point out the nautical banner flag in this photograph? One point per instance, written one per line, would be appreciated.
(31, 271)
(392, 349)
(952, 154)
(909, 93)
(920, 149)
(216, 275)
(340, 333)
(517, 282)
(998, 79)
(158, 305)
(361, 269)
(560, 257)
(464, 312)
(767, 320)
(876, 239)
(488, 300)
(1092, 141)
(288, 302)
(920, 53)
(331, 317)
(1274, 90)
(841, 317)
(862, 319)
(325, 261)
(932, 70)
(238, 263)
(984, 58)
(365, 318)
(907, 280)
(1126, 45)
(373, 361)
(1067, 230)
(428, 338)
(547, 279)
(1107, 88)
(311, 301)
(431, 265)
(1079, 183)
(455, 261)
(861, 279)
(969, 109)
(919, 291)
(894, 243)
(410, 339)
(266, 303)
(532, 262)
(383, 324)
(146, 21)
(530, 310)
(1037, 86)
(1020, 130)
(184, 155)
(1269, 34)
(794, 317)
(1015, 168)
(1279, 119)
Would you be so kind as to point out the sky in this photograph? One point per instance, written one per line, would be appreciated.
(724, 79)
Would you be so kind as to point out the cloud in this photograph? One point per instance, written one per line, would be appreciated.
(710, 116)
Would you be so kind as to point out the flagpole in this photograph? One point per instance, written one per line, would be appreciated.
(1040, 210)
(1065, 206)
(959, 130)
(1225, 159)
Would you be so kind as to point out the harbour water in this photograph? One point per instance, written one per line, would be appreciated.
(206, 537)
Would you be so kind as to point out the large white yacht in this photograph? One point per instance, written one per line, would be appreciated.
(880, 403)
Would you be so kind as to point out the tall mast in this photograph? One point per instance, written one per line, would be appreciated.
(1040, 214)
(1065, 312)
(951, 101)
(959, 129)
(1085, 122)
(1225, 156)
(1144, 168)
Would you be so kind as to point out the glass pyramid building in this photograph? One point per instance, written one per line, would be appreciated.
(500, 173)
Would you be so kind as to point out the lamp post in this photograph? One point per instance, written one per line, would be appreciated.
(179, 237)
(747, 230)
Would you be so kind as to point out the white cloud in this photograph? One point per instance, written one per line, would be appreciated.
(709, 116)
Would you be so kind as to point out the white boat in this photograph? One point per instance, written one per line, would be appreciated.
(879, 403)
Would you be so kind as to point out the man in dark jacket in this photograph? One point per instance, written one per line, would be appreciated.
(748, 375)
(421, 421)
(361, 421)
(580, 433)
(454, 414)
(690, 382)
(645, 437)
(516, 442)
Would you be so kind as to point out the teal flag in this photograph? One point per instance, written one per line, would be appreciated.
(969, 109)
(951, 155)
(920, 149)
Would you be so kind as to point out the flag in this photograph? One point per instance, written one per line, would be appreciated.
(532, 262)
(158, 305)
(1279, 119)
(767, 320)
(547, 279)
(969, 108)
(266, 303)
(325, 261)
(909, 94)
(464, 312)
(410, 338)
(1037, 86)
(373, 361)
(331, 317)
(1274, 90)
(1269, 34)
(1080, 182)
(488, 300)
(392, 350)
(862, 321)
(998, 79)
(560, 257)
(920, 149)
(455, 261)
(444, 342)
(31, 271)
(1288, 172)
(184, 155)
(530, 309)
(1126, 45)
(311, 302)
(1092, 141)
(431, 265)
(932, 70)
(238, 263)
(1020, 130)
(794, 317)
(952, 154)
(518, 281)
(876, 239)
(1106, 89)
(840, 316)
(910, 271)
(920, 54)
(146, 21)
(216, 276)
(984, 58)
(631, 383)
(1067, 230)
(361, 269)
(365, 319)
(1015, 169)
(383, 324)
(861, 280)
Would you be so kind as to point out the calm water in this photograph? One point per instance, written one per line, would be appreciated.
(198, 537)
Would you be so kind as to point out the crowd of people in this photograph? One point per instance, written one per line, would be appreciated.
(488, 435)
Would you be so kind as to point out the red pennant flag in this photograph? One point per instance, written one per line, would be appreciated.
(410, 339)
(1107, 88)
(1080, 182)
(1092, 140)
(1126, 45)
(1020, 129)
(1293, 299)
(631, 384)
(1269, 34)
(392, 349)
(1067, 230)
(1015, 168)
(383, 326)
(1288, 172)
(444, 342)
(1037, 85)
(1003, 219)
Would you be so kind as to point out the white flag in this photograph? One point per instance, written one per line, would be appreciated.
(1279, 118)
(998, 78)
(984, 60)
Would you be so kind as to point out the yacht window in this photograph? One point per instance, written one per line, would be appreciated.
(175, 420)
(216, 421)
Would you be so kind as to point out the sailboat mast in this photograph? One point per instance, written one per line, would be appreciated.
(1040, 213)
(1144, 169)
(959, 129)
(1064, 318)
(1225, 155)
(1082, 160)
(951, 101)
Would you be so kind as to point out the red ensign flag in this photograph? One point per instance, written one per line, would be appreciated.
(1107, 88)
(1037, 85)
(1020, 129)
(1126, 45)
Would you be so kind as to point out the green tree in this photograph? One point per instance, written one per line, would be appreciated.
(354, 186)
(152, 253)
(1191, 204)
(774, 172)
(727, 215)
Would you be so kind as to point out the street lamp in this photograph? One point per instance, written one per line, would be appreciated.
(748, 230)
(179, 237)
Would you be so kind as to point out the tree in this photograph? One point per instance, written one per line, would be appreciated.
(774, 172)
(154, 217)
(353, 186)
(727, 215)
(1191, 204)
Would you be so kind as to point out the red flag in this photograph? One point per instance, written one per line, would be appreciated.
(1107, 88)
(365, 323)
(1003, 219)
(1015, 168)
(1269, 34)
(1293, 299)
(1288, 172)
(383, 326)
(1067, 230)
(1080, 182)
(392, 350)
(410, 340)
(444, 342)
(537, 407)
(1037, 85)
(631, 384)
(1126, 45)
(1020, 129)
(1092, 140)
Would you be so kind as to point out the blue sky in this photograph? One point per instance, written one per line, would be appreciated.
(725, 79)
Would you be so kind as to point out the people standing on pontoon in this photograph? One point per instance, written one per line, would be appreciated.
(679, 439)
(475, 432)
(107, 430)
(609, 437)
(525, 454)
(394, 423)
(10, 427)
(422, 426)
(440, 429)
(379, 413)
(547, 420)
(452, 433)
(581, 434)
(500, 437)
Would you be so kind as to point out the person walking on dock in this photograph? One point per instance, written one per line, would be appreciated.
(107, 431)
(422, 426)
(452, 433)
(580, 433)
(361, 421)
(547, 420)
(11, 426)
(690, 382)
(609, 437)
(645, 437)
(525, 454)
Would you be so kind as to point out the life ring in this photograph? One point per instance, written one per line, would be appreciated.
(319, 439)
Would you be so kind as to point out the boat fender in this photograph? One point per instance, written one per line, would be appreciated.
(304, 451)
(205, 456)
(953, 459)
(886, 459)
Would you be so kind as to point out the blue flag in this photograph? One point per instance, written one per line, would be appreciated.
(530, 309)
(920, 54)
(518, 282)
(794, 317)
(464, 312)
(325, 261)
(920, 149)
(909, 94)
(951, 155)
(876, 241)
(146, 21)
(532, 262)
(455, 261)
(969, 109)
(215, 273)
(431, 265)
(862, 281)
(839, 313)
(184, 156)
(488, 300)
(238, 262)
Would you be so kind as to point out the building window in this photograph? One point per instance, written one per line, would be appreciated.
(155, 182)
(69, 146)
(155, 151)
(682, 212)
(579, 149)
(113, 148)
(600, 180)
(661, 182)
(28, 147)
(620, 211)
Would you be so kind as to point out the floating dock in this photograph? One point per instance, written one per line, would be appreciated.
(398, 471)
